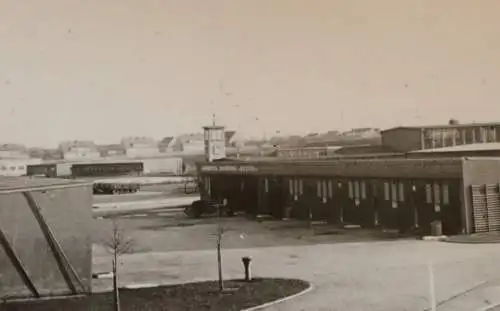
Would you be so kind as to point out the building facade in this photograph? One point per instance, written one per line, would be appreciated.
(305, 152)
(16, 167)
(79, 150)
(140, 147)
(403, 194)
(13, 151)
(431, 137)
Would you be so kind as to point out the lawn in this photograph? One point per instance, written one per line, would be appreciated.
(203, 296)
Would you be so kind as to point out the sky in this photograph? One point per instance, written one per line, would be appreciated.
(104, 69)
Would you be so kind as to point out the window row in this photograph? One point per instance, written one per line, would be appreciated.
(112, 169)
(296, 187)
(435, 138)
(12, 168)
(435, 193)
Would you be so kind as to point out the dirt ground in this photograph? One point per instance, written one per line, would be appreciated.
(161, 231)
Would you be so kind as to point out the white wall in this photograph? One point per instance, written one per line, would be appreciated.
(16, 167)
(81, 153)
(163, 165)
(142, 152)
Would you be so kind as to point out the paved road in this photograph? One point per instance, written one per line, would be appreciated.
(108, 208)
(351, 276)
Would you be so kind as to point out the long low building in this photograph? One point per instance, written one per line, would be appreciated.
(398, 193)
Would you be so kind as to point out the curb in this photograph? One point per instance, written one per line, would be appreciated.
(143, 285)
(439, 238)
(471, 242)
(490, 307)
(268, 304)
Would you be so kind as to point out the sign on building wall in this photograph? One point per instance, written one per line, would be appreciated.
(229, 168)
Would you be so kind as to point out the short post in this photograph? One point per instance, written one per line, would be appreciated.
(246, 263)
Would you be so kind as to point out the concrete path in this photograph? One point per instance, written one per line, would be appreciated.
(142, 205)
(144, 180)
(351, 276)
(477, 238)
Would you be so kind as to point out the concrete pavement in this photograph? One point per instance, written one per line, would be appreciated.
(142, 205)
(350, 276)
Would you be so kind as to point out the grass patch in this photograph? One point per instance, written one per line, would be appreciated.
(202, 296)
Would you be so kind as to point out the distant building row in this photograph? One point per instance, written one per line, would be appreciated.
(412, 140)
(130, 147)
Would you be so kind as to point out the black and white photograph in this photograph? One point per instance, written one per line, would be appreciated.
(249, 155)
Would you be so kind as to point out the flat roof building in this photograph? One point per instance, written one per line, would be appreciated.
(410, 138)
(397, 193)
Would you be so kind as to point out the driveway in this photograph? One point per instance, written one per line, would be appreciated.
(389, 275)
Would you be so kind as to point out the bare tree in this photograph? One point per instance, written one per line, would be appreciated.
(220, 231)
(117, 245)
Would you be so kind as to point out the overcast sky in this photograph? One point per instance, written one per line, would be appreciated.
(103, 69)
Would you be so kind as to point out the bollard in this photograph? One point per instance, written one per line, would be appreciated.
(246, 263)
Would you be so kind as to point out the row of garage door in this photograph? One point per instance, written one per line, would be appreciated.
(395, 204)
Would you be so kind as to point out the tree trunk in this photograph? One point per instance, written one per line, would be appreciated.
(219, 256)
(116, 296)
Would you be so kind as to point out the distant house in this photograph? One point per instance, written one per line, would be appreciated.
(16, 166)
(79, 150)
(140, 146)
(111, 150)
(165, 143)
(14, 159)
(361, 133)
(13, 151)
(189, 143)
(230, 138)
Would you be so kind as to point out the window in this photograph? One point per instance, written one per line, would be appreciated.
(446, 198)
(325, 191)
(394, 191)
(290, 186)
(363, 190)
(301, 187)
(428, 194)
(296, 186)
(386, 191)
(266, 185)
(318, 188)
(437, 196)
(401, 192)
(356, 189)
(351, 194)
(330, 189)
